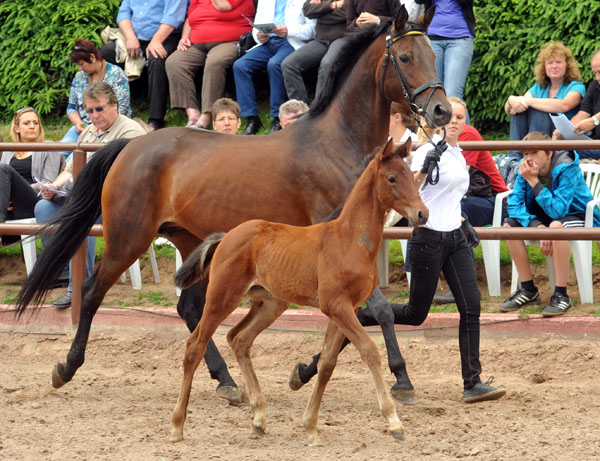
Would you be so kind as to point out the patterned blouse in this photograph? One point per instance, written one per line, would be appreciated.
(115, 77)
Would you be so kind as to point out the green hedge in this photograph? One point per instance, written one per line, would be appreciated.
(509, 36)
(36, 38)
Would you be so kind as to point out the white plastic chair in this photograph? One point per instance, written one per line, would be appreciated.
(135, 273)
(491, 250)
(581, 249)
(27, 244)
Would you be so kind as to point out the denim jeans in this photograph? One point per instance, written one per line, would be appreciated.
(271, 54)
(478, 210)
(526, 122)
(593, 154)
(44, 210)
(70, 136)
(452, 62)
(433, 252)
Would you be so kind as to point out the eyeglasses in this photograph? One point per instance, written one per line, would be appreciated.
(229, 119)
(96, 109)
(25, 109)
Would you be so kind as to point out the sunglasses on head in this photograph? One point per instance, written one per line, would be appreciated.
(25, 109)
(95, 109)
(77, 48)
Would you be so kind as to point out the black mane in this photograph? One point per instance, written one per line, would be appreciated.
(358, 41)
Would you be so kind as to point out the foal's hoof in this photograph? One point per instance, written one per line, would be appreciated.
(295, 382)
(405, 396)
(176, 435)
(398, 434)
(230, 393)
(257, 432)
(57, 381)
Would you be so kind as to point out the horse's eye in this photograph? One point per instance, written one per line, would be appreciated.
(404, 58)
(391, 180)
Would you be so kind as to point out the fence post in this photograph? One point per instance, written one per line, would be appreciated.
(78, 262)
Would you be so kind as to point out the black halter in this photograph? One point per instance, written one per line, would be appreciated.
(410, 97)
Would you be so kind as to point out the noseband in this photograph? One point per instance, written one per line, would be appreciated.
(410, 97)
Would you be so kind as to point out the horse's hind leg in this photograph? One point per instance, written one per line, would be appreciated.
(332, 345)
(347, 321)
(190, 308)
(379, 312)
(263, 312)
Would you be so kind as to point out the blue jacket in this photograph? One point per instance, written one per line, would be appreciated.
(566, 194)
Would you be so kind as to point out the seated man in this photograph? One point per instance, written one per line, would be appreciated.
(587, 120)
(151, 29)
(290, 111)
(331, 25)
(226, 116)
(101, 105)
(292, 30)
(549, 191)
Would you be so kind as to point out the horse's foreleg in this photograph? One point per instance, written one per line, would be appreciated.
(190, 307)
(351, 327)
(332, 345)
(263, 312)
(379, 311)
(92, 294)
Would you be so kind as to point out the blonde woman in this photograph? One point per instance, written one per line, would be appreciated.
(20, 171)
(558, 89)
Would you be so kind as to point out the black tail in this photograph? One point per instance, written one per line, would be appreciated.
(197, 265)
(71, 225)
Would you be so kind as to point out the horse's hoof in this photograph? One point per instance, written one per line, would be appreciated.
(176, 435)
(257, 432)
(295, 382)
(57, 381)
(230, 393)
(314, 440)
(405, 396)
(398, 434)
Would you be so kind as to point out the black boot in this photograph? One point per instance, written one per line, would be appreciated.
(276, 126)
(253, 125)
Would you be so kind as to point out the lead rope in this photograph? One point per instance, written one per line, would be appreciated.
(433, 172)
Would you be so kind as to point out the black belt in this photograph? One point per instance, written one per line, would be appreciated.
(437, 235)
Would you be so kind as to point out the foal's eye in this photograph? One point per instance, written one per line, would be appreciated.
(391, 180)
(404, 58)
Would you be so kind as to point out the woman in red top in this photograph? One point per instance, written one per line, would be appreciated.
(209, 39)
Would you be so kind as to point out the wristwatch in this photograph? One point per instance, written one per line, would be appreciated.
(596, 122)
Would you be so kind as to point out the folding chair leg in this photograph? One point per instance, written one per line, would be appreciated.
(383, 264)
(29, 252)
(491, 260)
(153, 263)
(136, 275)
(178, 263)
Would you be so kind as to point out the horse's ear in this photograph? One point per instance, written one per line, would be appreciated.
(426, 18)
(403, 150)
(401, 18)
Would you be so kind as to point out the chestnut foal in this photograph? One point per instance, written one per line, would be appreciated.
(331, 265)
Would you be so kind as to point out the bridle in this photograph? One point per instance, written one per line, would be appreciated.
(410, 97)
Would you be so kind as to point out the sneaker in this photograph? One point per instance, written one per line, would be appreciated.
(559, 304)
(518, 299)
(483, 391)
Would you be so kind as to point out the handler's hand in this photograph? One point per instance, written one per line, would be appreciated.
(470, 233)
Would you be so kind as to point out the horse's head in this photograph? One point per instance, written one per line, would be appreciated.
(408, 71)
(396, 186)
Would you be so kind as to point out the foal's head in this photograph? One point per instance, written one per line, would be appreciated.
(395, 183)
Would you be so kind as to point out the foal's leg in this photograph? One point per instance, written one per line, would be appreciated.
(190, 307)
(265, 309)
(343, 315)
(219, 305)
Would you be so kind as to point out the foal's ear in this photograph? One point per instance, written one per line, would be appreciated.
(388, 150)
(426, 18)
(401, 18)
(403, 150)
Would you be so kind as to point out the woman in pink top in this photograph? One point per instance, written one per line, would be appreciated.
(209, 39)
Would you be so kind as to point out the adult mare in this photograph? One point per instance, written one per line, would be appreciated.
(186, 184)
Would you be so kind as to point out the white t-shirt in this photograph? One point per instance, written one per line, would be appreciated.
(443, 199)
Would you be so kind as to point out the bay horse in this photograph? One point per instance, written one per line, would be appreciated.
(330, 265)
(185, 184)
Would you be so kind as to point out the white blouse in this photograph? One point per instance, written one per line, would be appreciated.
(443, 199)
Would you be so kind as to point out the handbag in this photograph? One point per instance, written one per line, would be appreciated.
(246, 42)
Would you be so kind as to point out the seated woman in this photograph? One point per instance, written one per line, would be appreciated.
(22, 172)
(93, 68)
(226, 116)
(558, 89)
(209, 39)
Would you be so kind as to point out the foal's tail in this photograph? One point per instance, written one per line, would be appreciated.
(197, 265)
(70, 226)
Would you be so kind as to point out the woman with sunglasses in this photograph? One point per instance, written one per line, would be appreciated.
(22, 172)
(93, 68)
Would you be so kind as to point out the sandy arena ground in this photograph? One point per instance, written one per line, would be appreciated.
(119, 404)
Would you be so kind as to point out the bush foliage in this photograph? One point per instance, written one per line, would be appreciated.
(509, 36)
(36, 37)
